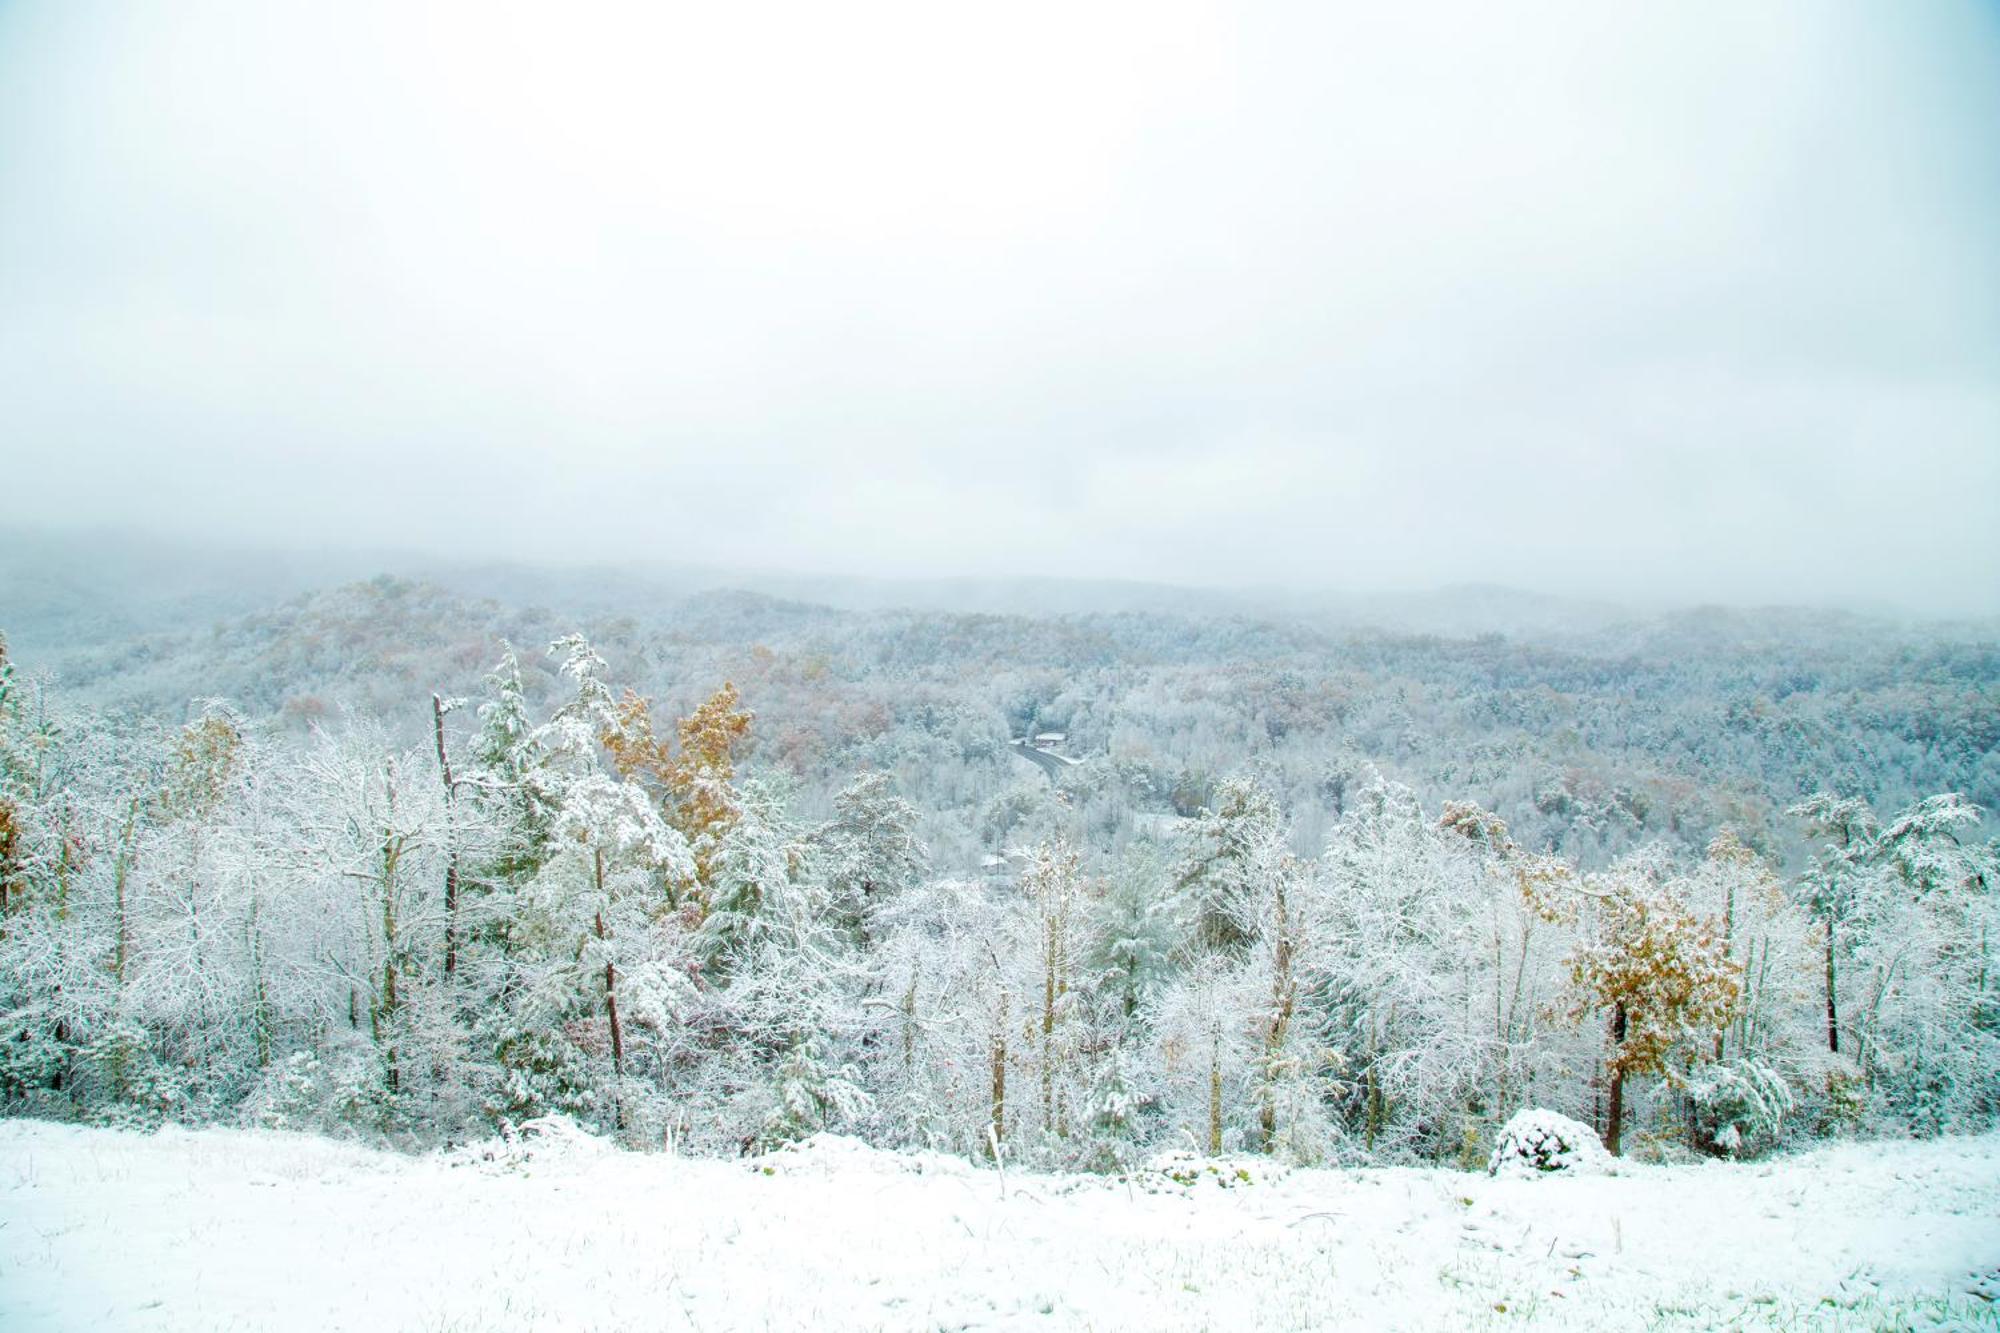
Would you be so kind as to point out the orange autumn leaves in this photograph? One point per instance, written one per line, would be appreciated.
(1664, 968)
(691, 780)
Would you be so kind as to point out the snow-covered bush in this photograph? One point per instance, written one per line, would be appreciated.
(807, 1094)
(826, 1154)
(1840, 1103)
(1743, 1103)
(142, 1089)
(338, 1094)
(1537, 1141)
(1194, 1171)
(289, 1096)
(544, 1141)
(31, 1060)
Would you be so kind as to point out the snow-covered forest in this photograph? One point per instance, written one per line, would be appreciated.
(939, 666)
(397, 864)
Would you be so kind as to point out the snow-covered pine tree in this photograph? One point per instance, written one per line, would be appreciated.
(869, 851)
(588, 912)
(1226, 857)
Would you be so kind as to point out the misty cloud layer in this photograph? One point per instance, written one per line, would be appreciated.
(1686, 300)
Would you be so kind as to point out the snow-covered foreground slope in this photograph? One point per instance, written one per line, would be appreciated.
(224, 1229)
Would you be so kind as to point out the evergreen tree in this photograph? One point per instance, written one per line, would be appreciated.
(869, 850)
(1228, 856)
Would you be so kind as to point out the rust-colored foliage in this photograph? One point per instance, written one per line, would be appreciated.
(205, 758)
(1546, 883)
(636, 753)
(708, 735)
(1664, 975)
(10, 852)
(693, 783)
(1661, 968)
(1477, 825)
(704, 804)
(1726, 848)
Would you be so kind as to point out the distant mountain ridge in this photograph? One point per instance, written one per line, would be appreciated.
(63, 590)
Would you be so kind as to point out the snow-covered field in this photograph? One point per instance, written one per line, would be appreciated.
(223, 1229)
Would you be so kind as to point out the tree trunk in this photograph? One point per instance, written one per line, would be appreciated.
(1052, 882)
(1832, 1009)
(1376, 1110)
(910, 1024)
(451, 833)
(260, 991)
(1615, 1132)
(1048, 1023)
(610, 982)
(1000, 1074)
(1214, 1088)
(66, 840)
(1282, 998)
(121, 874)
(1728, 953)
(121, 948)
(611, 1011)
(392, 852)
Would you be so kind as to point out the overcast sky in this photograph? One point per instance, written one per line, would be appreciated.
(1681, 299)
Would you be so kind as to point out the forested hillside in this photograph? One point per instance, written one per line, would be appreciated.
(1588, 742)
(394, 860)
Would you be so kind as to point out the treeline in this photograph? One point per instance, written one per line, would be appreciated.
(1590, 745)
(574, 906)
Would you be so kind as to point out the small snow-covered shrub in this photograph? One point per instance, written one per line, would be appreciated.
(541, 1073)
(549, 1140)
(1742, 1105)
(1667, 1146)
(1843, 1103)
(808, 1092)
(31, 1058)
(1537, 1141)
(1193, 1171)
(289, 1097)
(831, 1154)
(142, 1090)
(338, 1094)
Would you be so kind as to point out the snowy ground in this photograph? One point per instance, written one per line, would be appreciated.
(219, 1229)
